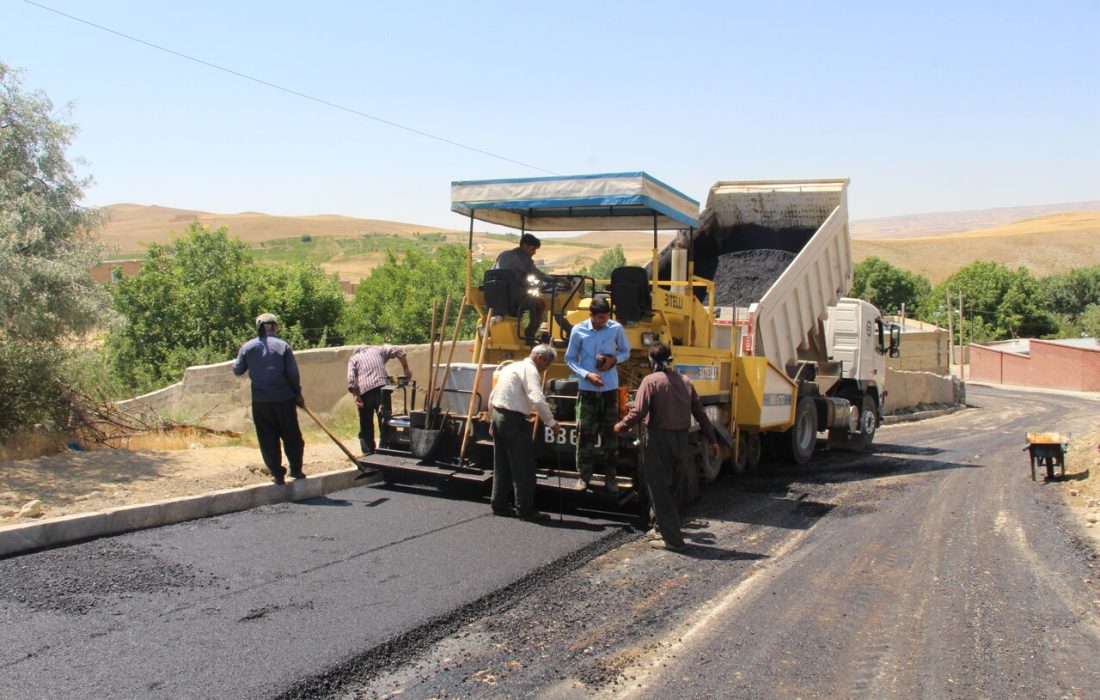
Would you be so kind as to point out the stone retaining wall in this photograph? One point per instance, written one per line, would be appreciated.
(212, 396)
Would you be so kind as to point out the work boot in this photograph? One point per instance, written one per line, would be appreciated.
(299, 474)
(663, 544)
(366, 447)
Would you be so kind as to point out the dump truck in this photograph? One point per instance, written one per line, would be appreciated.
(749, 296)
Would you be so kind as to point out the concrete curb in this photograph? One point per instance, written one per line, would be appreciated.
(920, 415)
(74, 528)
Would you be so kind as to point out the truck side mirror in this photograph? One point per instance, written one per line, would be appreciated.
(895, 340)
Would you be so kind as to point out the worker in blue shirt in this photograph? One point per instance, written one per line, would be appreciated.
(595, 347)
(276, 390)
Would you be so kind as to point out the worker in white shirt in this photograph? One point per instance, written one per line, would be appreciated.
(518, 394)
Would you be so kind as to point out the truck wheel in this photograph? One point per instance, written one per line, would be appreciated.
(754, 450)
(802, 436)
(868, 423)
(741, 459)
(861, 440)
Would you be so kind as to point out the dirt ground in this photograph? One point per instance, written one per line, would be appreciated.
(87, 481)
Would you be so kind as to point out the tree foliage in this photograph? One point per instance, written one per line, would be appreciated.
(888, 287)
(394, 303)
(1069, 295)
(46, 250)
(194, 301)
(608, 261)
(998, 303)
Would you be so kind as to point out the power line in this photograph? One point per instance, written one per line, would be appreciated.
(290, 91)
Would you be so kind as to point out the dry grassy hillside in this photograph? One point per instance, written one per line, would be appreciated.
(131, 225)
(1044, 245)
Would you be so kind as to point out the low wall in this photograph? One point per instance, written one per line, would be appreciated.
(909, 389)
(212, 396)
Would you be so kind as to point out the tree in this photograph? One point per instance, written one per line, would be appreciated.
(999, 302)
(1090, 321)
(193, 302)
(394, 303)
(308, 302)
(888, 287)
(608, 261)
(1068, 295)
(46, 250)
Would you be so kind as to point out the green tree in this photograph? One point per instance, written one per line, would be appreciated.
(394, 303)
(307, 301)
(193, 302)
(608, 261)
(46, 249)
(1067, 295)
(998, 302)
(1090, 321)
(888, 287)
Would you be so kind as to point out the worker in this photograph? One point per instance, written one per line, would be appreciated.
(666, 401)
(596, 346)
(366, 377)
(521, 261)
(276, 390)
(517, 395)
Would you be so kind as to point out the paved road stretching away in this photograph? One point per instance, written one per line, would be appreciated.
(249, 604)
(932, 568)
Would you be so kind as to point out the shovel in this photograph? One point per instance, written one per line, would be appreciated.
(336, 440)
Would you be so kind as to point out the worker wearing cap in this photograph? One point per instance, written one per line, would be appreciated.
(596, 346)
(666, 401)
(276, 390)
(517, 395)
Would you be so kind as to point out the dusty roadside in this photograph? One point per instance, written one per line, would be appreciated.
(1081, 487)
(74, 482)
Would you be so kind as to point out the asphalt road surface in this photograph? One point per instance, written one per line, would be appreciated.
(933, 567)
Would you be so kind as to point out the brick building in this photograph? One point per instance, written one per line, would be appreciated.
(1051, 364)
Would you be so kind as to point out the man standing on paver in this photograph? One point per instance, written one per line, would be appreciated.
(518, 394)
(666, 400)
(596, 345)
(276, 390)
(366, 377)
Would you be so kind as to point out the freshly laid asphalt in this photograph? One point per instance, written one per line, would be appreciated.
(270, 600)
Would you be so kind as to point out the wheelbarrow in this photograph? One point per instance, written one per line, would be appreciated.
(1047, 450)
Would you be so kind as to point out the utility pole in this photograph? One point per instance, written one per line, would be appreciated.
(962, 336)
(950, 331)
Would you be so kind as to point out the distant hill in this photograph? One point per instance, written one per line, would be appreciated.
(1043, 239)
(958, 221)
(131, 225)
(1043, 245)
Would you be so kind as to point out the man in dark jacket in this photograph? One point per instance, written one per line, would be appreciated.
(276, 390)
(666, 400)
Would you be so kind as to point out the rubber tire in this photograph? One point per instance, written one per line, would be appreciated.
(740, 462)
(868, 424)
(799, 442)
(754, 451)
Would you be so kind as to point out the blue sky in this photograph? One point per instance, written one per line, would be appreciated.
(927, 107)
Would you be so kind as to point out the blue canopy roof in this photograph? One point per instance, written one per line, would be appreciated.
(604, 202)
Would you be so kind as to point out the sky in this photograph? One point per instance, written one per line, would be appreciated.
(371, 109)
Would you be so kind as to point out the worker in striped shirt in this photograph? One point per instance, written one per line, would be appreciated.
(366, 377)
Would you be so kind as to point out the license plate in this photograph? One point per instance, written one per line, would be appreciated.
(564, 440)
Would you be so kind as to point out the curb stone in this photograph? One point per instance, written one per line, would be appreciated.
(920, 415)
(67, 529)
